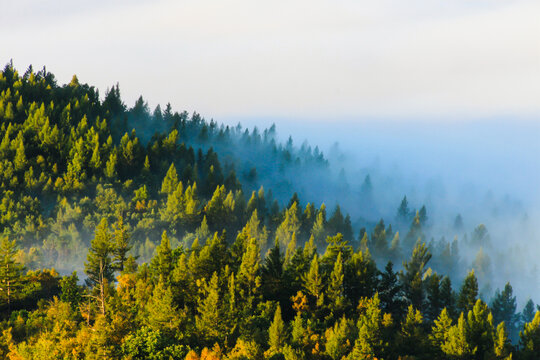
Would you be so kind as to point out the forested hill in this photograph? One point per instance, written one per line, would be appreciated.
(183, 251)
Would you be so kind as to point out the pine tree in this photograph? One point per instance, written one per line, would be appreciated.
(339, 339)
(335, 292)
(318, 231)
(403, 212)
(411, 338)
(20, 157)
(502, 346)
(98, 266)
(527, 315)
(249, 280)
(391, 292)
(10, 271)
(111, 165)
(440, 330)
(412, 274)
(434, 303)
(170, 182)
(457, 346)
(448, 297)
(504, 307)
(313, 282)
(162, 312)
(276, 334)
(209, 322)
(121, 244)
(289, 226)
(378, 240)
(468, 294)
(372, 322)
(163, 261)
(71, 293)
(530, 338)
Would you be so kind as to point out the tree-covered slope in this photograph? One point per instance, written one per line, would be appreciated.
(187, 246)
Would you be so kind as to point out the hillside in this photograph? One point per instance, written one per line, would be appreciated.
(136, 234)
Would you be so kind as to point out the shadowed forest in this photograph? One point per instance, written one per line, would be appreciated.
(131, 233)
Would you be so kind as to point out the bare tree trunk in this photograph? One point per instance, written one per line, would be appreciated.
(102, 287)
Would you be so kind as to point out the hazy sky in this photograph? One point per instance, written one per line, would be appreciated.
(432, 59)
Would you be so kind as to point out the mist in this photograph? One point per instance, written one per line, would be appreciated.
(487, 171)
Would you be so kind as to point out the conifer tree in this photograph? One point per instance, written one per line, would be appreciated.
(318, 230)
(468, 293)
(502, 346)
(434, 303)
(412, 274)
(447, 297)
(480, 331)
(98, 266)
(313, 282)
(527, 315)
(276, 334)
(20, 157)
(163, 261)
(457, 346)
(403, 212)
(339, 339)
(530, 338)
(392, 298)
(411, 338)
(111, 165)
(170, 182)
(249, 280)
(209, 322)
(71, 293)
(336, 298)
(372, 322)
(162, 313)
(440, 331)
(122, 244)
(10, 271)
(504, 307)
(289, 226)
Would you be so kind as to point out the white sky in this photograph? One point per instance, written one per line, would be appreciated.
(296, 59)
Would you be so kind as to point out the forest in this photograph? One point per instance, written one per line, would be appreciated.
(128, 233)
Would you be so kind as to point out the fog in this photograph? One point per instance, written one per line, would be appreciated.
(486, 170)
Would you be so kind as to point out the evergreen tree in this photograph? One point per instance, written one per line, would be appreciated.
(530, 338)
(313, 282)
(457, 346)
(170, 182)
(98, 266)
(249, 279)
(122, 244)
(336, 298)
(162, 312)
(504, 307)
(413, 273)
(527, 315)
(163, 261)
(210, 321)
(10, 271)
(468, 293)
(403, 212)
(71, 293)
(276, 334)
(392, 298)
(440, 331)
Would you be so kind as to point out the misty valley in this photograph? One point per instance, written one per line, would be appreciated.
(132, 233)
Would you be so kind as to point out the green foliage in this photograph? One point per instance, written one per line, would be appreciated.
(186, 262)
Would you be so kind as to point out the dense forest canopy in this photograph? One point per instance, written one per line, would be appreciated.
(136, 234)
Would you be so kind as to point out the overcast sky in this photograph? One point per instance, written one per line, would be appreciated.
(432, 59)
